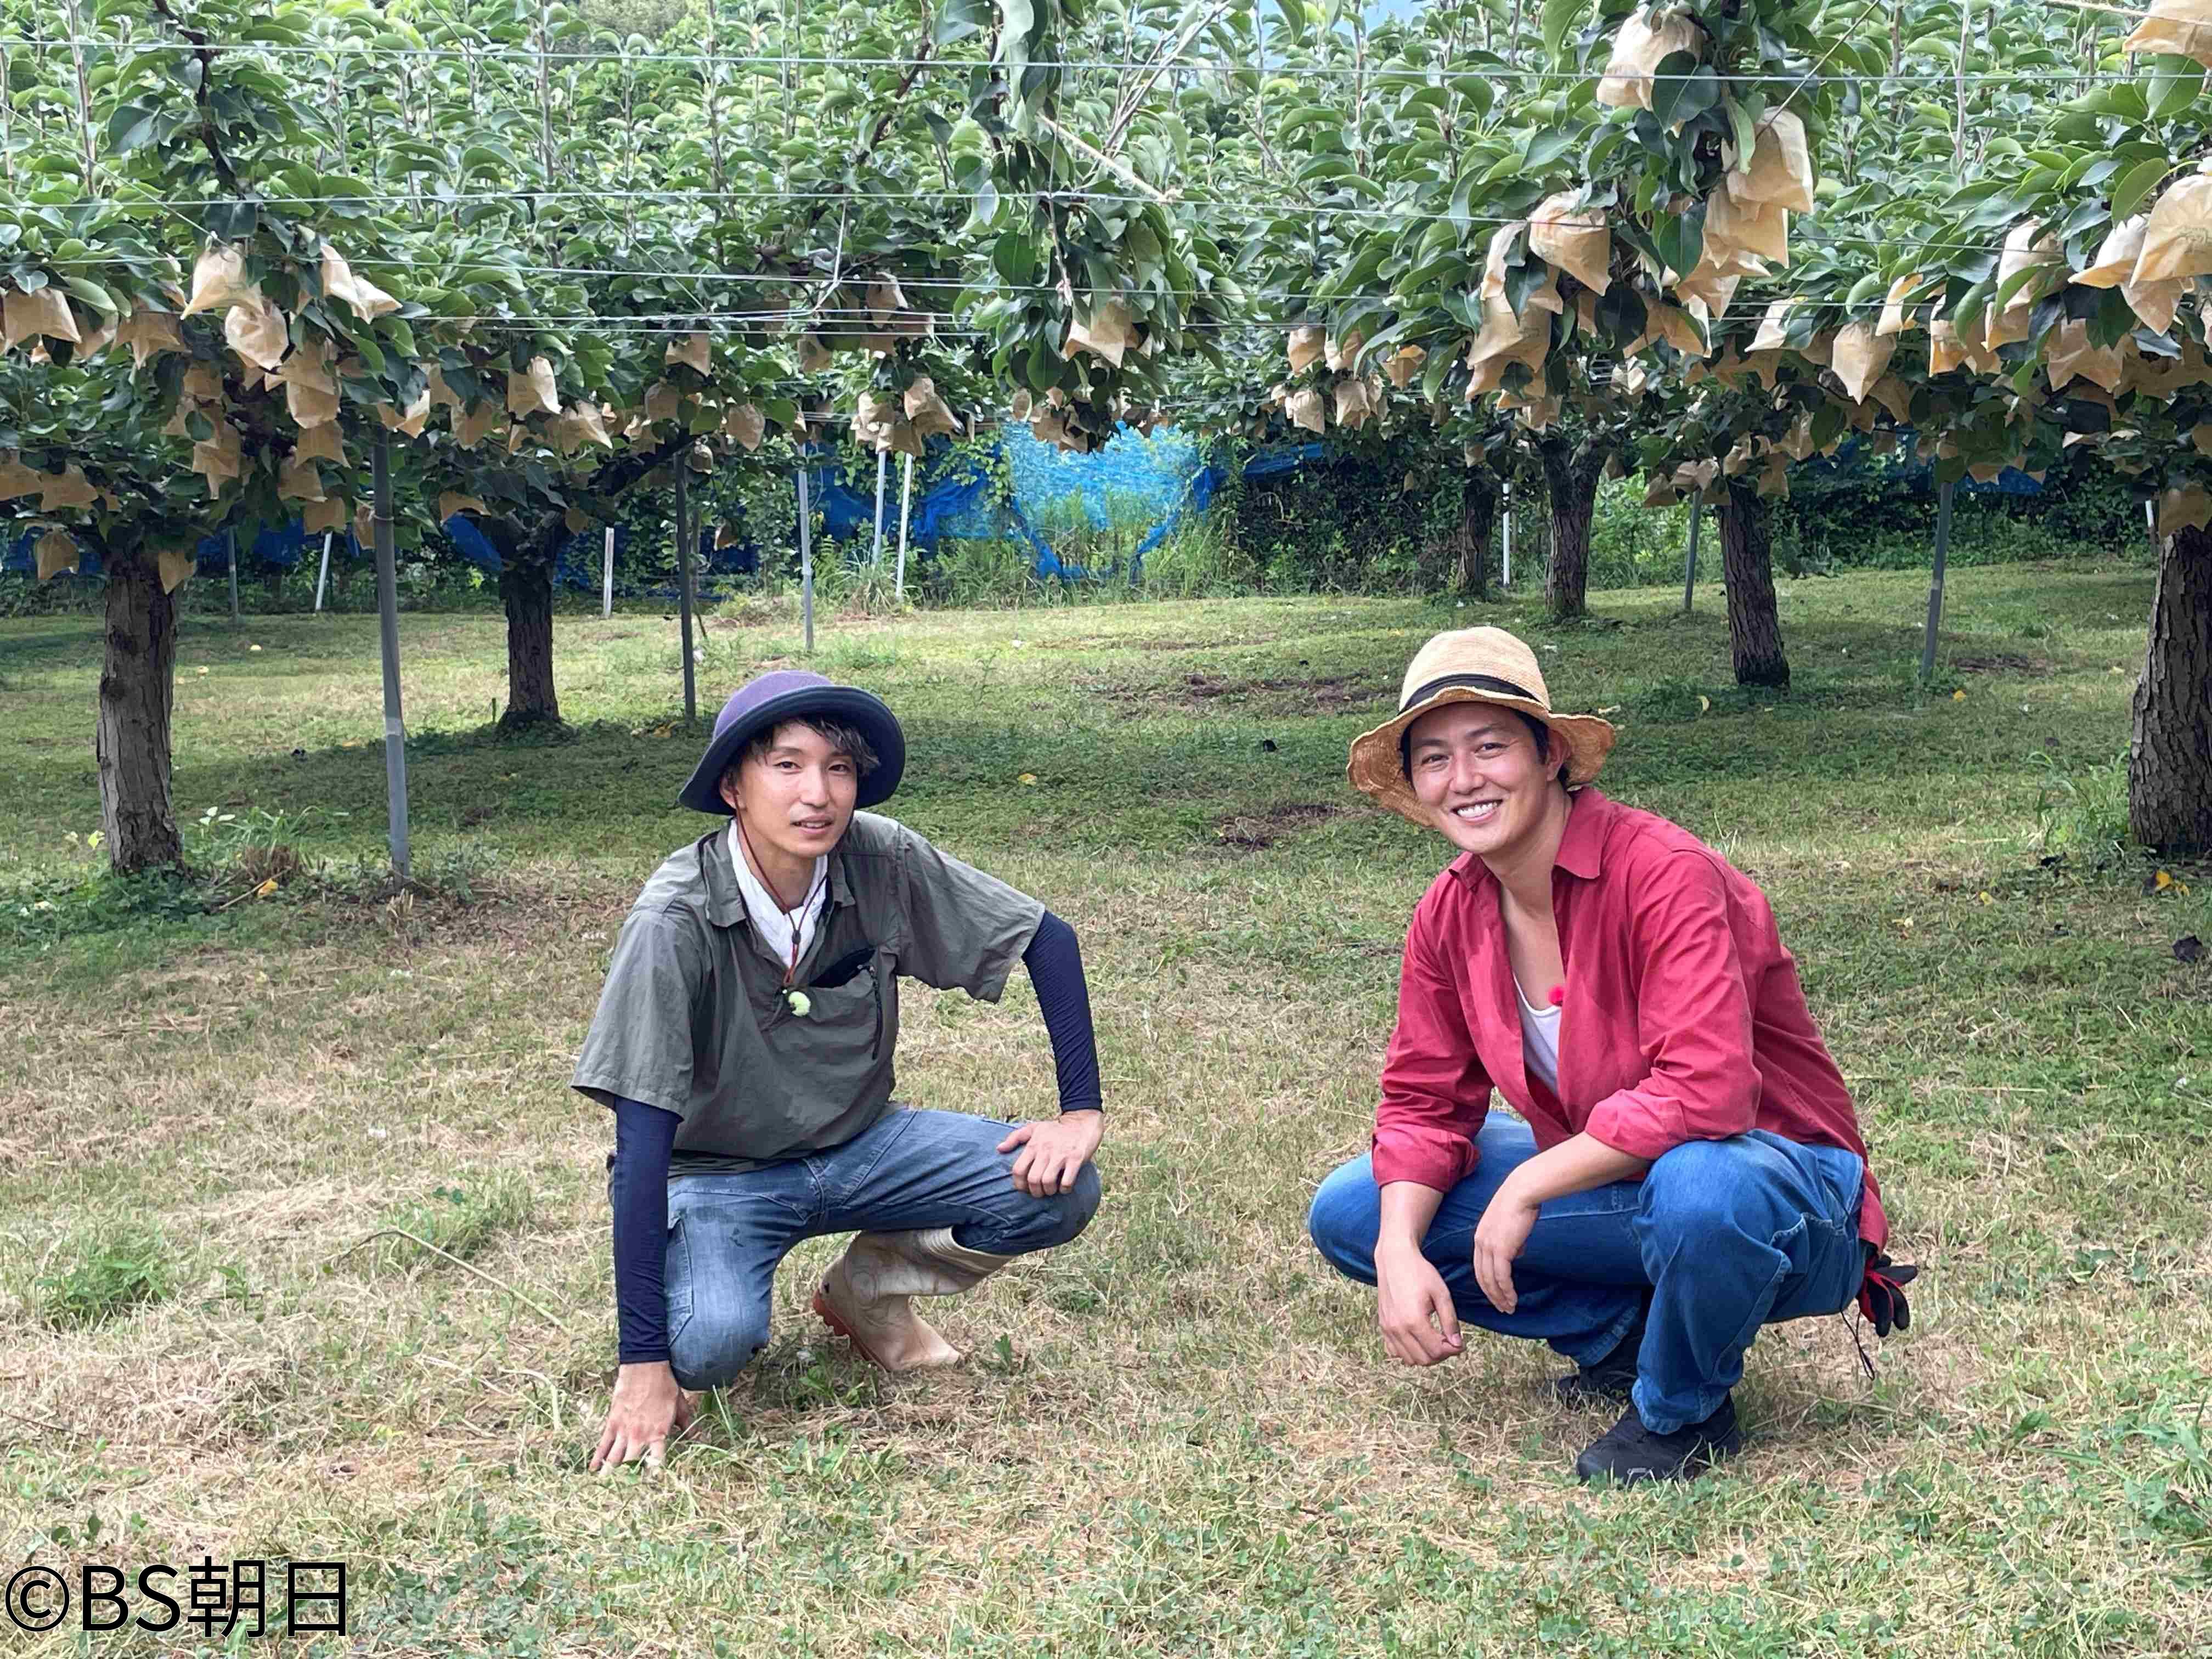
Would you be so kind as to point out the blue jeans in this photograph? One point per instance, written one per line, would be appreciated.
(1725, 1236)
(910, 1170)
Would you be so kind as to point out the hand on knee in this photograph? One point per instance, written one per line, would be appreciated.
(1065, 1215)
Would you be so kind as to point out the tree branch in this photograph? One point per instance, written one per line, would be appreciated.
(209, 139)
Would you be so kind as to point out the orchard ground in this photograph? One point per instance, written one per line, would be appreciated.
(1178, 1436)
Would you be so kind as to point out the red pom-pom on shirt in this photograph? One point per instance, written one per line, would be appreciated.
(1558, 995)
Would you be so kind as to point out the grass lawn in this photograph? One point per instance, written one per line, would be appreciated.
(1178, 1436)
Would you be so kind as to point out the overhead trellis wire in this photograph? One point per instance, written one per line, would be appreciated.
(1376, 80)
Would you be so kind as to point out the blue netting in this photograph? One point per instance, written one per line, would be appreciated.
(21, 554)
(1854, 456)
(473, 544)
(1131, 472)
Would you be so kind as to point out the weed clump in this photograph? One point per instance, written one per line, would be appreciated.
(459, 1221)
(101, 1274)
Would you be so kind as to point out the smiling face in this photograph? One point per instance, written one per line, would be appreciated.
(1475, 767)
(794, 797)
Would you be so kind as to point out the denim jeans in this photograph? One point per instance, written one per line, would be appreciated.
(1725, 1236)
(910, 1170)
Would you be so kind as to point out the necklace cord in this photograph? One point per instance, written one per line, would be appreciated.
(791, 917)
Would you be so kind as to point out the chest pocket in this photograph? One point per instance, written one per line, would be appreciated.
(842, 1023)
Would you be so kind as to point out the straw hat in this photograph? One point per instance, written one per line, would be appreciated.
(1472, 665)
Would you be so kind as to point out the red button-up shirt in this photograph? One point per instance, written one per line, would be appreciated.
(1683, 1019)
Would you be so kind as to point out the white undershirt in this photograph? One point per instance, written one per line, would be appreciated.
(771, 922)
(1540, 1040)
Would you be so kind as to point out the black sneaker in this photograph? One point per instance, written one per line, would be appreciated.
(1629, 1452)
(1610, 1378)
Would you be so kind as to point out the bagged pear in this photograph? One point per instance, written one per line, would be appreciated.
(2181, 26)
(2177, 240)
(27, 316)
(1779, 170)
(218, 280)
(1644, 41)
(1577, 243)
(531, 391)
(1860, 357)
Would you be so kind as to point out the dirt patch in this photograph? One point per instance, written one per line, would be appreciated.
(1253, 832)
(1325, 693)
(2005, 662)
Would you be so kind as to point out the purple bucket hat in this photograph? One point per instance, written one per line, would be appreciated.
(766, 701)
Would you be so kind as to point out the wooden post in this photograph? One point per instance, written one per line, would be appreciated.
(607, 577)
(323, 575)
(906, 510)
(1936, 587)
(684, 582)
(1690, 572)
(805, 557)
(387, 618)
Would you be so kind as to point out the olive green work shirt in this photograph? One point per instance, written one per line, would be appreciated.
(695, 1019)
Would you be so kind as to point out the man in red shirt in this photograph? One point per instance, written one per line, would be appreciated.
(1687, 1165)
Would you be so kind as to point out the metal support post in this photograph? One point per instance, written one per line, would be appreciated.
(1505, 579)
(906, 510)
(805, 557)
(1936, 587)
(323, 575)
(1690, 570)
(683, 583)
(387, 618)
(883, 468)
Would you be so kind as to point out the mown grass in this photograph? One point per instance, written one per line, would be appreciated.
(1177, 1435)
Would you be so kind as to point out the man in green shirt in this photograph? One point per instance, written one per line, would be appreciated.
(744, 1042)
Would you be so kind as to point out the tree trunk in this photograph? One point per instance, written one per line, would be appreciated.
(2170, 761)
(1747, 566)
(526, 587)
(1570, 481)
(138, 688)
(1478, 524)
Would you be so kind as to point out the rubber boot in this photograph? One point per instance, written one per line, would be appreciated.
(867, 1297)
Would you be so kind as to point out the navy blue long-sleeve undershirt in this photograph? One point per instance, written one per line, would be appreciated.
(645, 1137)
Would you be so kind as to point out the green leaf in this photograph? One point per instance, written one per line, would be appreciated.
(962, 18)
(1014, 257)
(1020, 23)
(1523, 280)
(2175, 84)
(1682, 87)
(231, 221)
(1971, 303)
(1547, 147)
(2137, 182)
(1746, 126)
(91, 292)
(131, 125)
(1439, 364)
(1681, 239)
(1559, 16)
(1356, 270)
